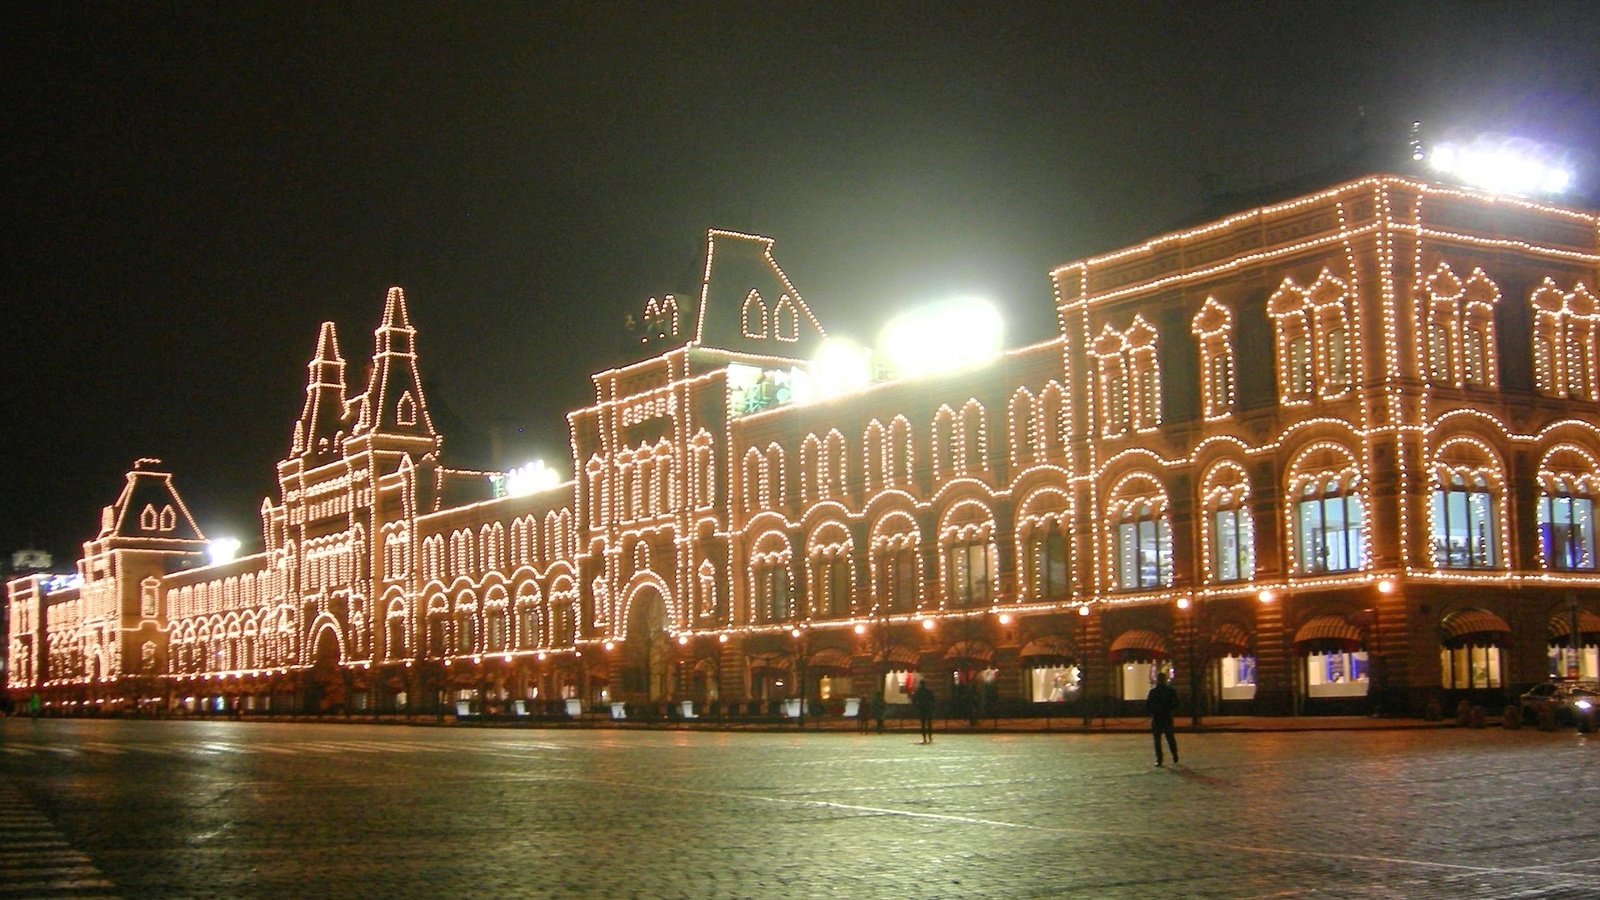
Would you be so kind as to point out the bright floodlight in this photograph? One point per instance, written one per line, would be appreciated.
(942, 338)
(223, 550)
(530, 479)
(1504, 166)
(841, 367)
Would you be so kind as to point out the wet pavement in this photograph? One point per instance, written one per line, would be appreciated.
(257, 809)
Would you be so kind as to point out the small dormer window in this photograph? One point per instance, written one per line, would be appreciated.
(168, 519)
(405, 412)
(754, 316)
(147, 518)
(785, 320)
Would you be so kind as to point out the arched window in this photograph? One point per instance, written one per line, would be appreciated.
(1047, 561)
(897, 579)
(1566, 342)
(1460, 329)
(1141, 535)
(772, 592)
(875, 458)
(1228, 525)
(1025, 445)
(1144, 558)
(969, 556)
(1213, 326)
(1566, 509)
(754, 316)
(1313, 339)
(1329, 516)
(828, 553)
(1467, 485)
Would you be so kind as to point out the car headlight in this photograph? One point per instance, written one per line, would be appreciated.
(1582, 704)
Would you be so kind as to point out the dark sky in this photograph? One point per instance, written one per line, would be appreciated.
(191, 188)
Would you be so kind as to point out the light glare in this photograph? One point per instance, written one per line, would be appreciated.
(943, 337)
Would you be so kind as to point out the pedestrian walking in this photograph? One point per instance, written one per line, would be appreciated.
(923, 701)
(864, 716)
(1161, 704)
(880, 708)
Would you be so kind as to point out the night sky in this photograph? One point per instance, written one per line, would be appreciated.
(191, 188)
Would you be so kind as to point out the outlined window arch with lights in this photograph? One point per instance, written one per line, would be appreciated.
(438, 626)
(1139, 535)
(771, 583)
(496, 620)
(754, 316)
(1227, 527)
(1567, 478)
(1566, 342)
(763, 479)
(960, 441)
(529, 611)
(896, 574)
(1021, 414)
(1327, 512)
(397, 630)
(661, 317)
(1313, 339)
(1213, 328)
(831, 570)
(466, 623)
(702, 480)
(1042, 532)
(1128, 377)
(968, 561)
(1460, 334)
(1468, 516)
(822, 468)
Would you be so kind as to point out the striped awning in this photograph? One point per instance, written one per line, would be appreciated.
(1230, 640)
(1139, 644)
(1474, 626)
(830, 658)
(1048, 649)
(1561, 624)
(970, 651)
(1329, 632)
(760, 661)
(902, 655)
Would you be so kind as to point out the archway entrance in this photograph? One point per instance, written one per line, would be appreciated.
(646, 654)
(325, 689)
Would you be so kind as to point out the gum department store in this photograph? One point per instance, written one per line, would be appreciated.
(1329, 455)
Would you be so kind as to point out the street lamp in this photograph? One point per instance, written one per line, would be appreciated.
(1196, 659)
(1083, 664)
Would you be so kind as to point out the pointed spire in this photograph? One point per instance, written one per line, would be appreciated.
(394, 402)
(321, 424)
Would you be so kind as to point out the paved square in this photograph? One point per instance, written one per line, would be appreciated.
(257, 810)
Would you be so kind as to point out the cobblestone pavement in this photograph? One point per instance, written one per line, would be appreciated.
(230, 809)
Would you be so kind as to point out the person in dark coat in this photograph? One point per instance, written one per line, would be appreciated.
(864, 715)
(880, 708)
(922, 699)
(1161, 704)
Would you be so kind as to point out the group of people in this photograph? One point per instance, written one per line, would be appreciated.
(876, 708)
(1161, 703)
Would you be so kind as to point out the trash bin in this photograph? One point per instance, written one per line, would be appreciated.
(852, 707)
(619, 711)
(687, 708)
(574, 707)
(791, 708)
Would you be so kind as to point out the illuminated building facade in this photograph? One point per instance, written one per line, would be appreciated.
(1320, 456)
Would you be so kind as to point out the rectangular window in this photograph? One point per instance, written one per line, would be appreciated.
(1567, 530)
(1464, 529)
(1237, 677)
(1054, 684)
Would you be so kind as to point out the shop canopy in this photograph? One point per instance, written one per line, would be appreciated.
(1561, 626)
(1138, 645)
(1327, 633)
(1048, 650)
(1474, 627)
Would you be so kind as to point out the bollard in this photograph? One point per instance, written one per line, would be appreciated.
(1511, 718)
(1463, 714)
(1434, 711)
(1476, 716)
(1547, 718)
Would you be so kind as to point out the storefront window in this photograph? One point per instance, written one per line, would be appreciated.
(1465, 668)
(1337, 674)
(1237, 677)
(1054, 684)
(1587, 659)
(1139, 677)
(898, 685)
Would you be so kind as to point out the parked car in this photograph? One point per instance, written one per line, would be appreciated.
(1568, 701)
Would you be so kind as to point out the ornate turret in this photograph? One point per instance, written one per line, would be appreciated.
(393, 404)
(322, 422)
